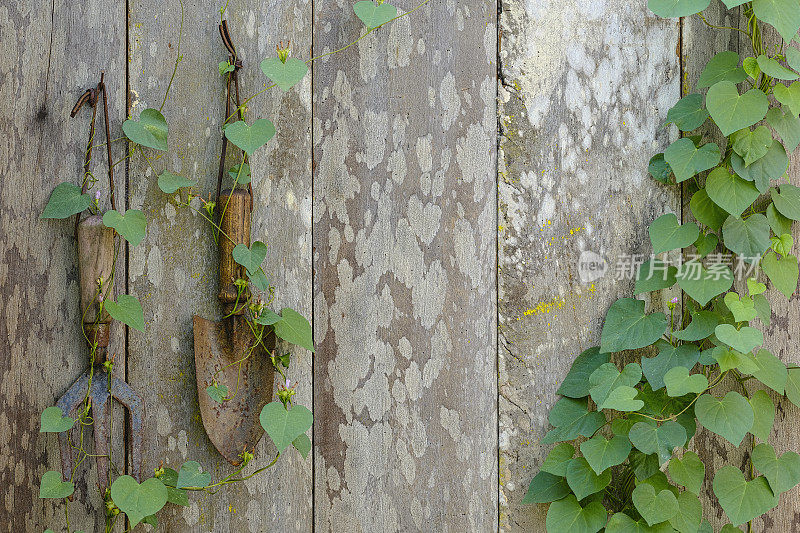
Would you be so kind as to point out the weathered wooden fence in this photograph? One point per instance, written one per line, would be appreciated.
(428, 188)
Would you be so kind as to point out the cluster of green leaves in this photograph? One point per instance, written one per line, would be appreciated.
(632, 425)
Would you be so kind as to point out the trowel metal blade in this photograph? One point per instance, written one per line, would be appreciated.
(233, 426)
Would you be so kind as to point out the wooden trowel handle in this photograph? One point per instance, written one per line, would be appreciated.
(95, 261)
(236, 225)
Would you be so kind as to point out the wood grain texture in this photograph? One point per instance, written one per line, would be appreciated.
(585, 89)
(701, 43)
(404, 257)
(175, 269)
(52, 52)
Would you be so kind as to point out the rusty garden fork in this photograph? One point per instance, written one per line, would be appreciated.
(96, 387)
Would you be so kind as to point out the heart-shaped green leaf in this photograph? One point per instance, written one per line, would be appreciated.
(667, 234)
(787, 201)
(250, 258)
(661, 440)
(576, 384)
(65, 201)
(607, 378)
(582, 479)
(688, 471)
(783, 15)
(764, 414)
(730, 192)
(568, 515)
(602, 454)
(131, 225)
(191, 475)
(149, 131)
(732, 112)
(743, 309)
(783, 272)
(787, 125)
(653, 275)
(282, 425)
(669, 356)
(742, 500)
(770, 167)
(250, 138)
(685, 159)
(54, 421)
(557, 460)
(689, 515)
(704, 284)
(707, 211)
(546, 488)
(284, 75)
(782, 244)
(754, 287)
(771, 371)
(374, 15)
(127, 310)
(689, 113)
(748, 238)
(677, 8)
(177, 496)
(654, 508)
(627, 327)
(789, 96)
(752, 144)
(169, 182)
(217, 392)
(730, 417)
(138, 501)
(773, 69)
(294, 328)
(744, 339)
(679, 382)
(701, 327)
(51, 486)
(722, 67)
(570, 418)
(623, 399)
(659, 168)
(782, 473)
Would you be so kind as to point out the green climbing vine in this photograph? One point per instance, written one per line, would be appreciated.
(621, 460)
(284, 422)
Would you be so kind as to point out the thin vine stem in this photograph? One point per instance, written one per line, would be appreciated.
(178, 59)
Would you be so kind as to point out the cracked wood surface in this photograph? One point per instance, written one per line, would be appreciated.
(52, 52)
(174, 271)
(582, 108)
(404, 251)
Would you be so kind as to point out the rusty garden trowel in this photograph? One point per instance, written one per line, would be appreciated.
(233, 425)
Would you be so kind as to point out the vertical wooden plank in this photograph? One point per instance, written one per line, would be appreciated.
(174, 270)
(51, 53)
(585, 88)
(404, 257)
(700, 44)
